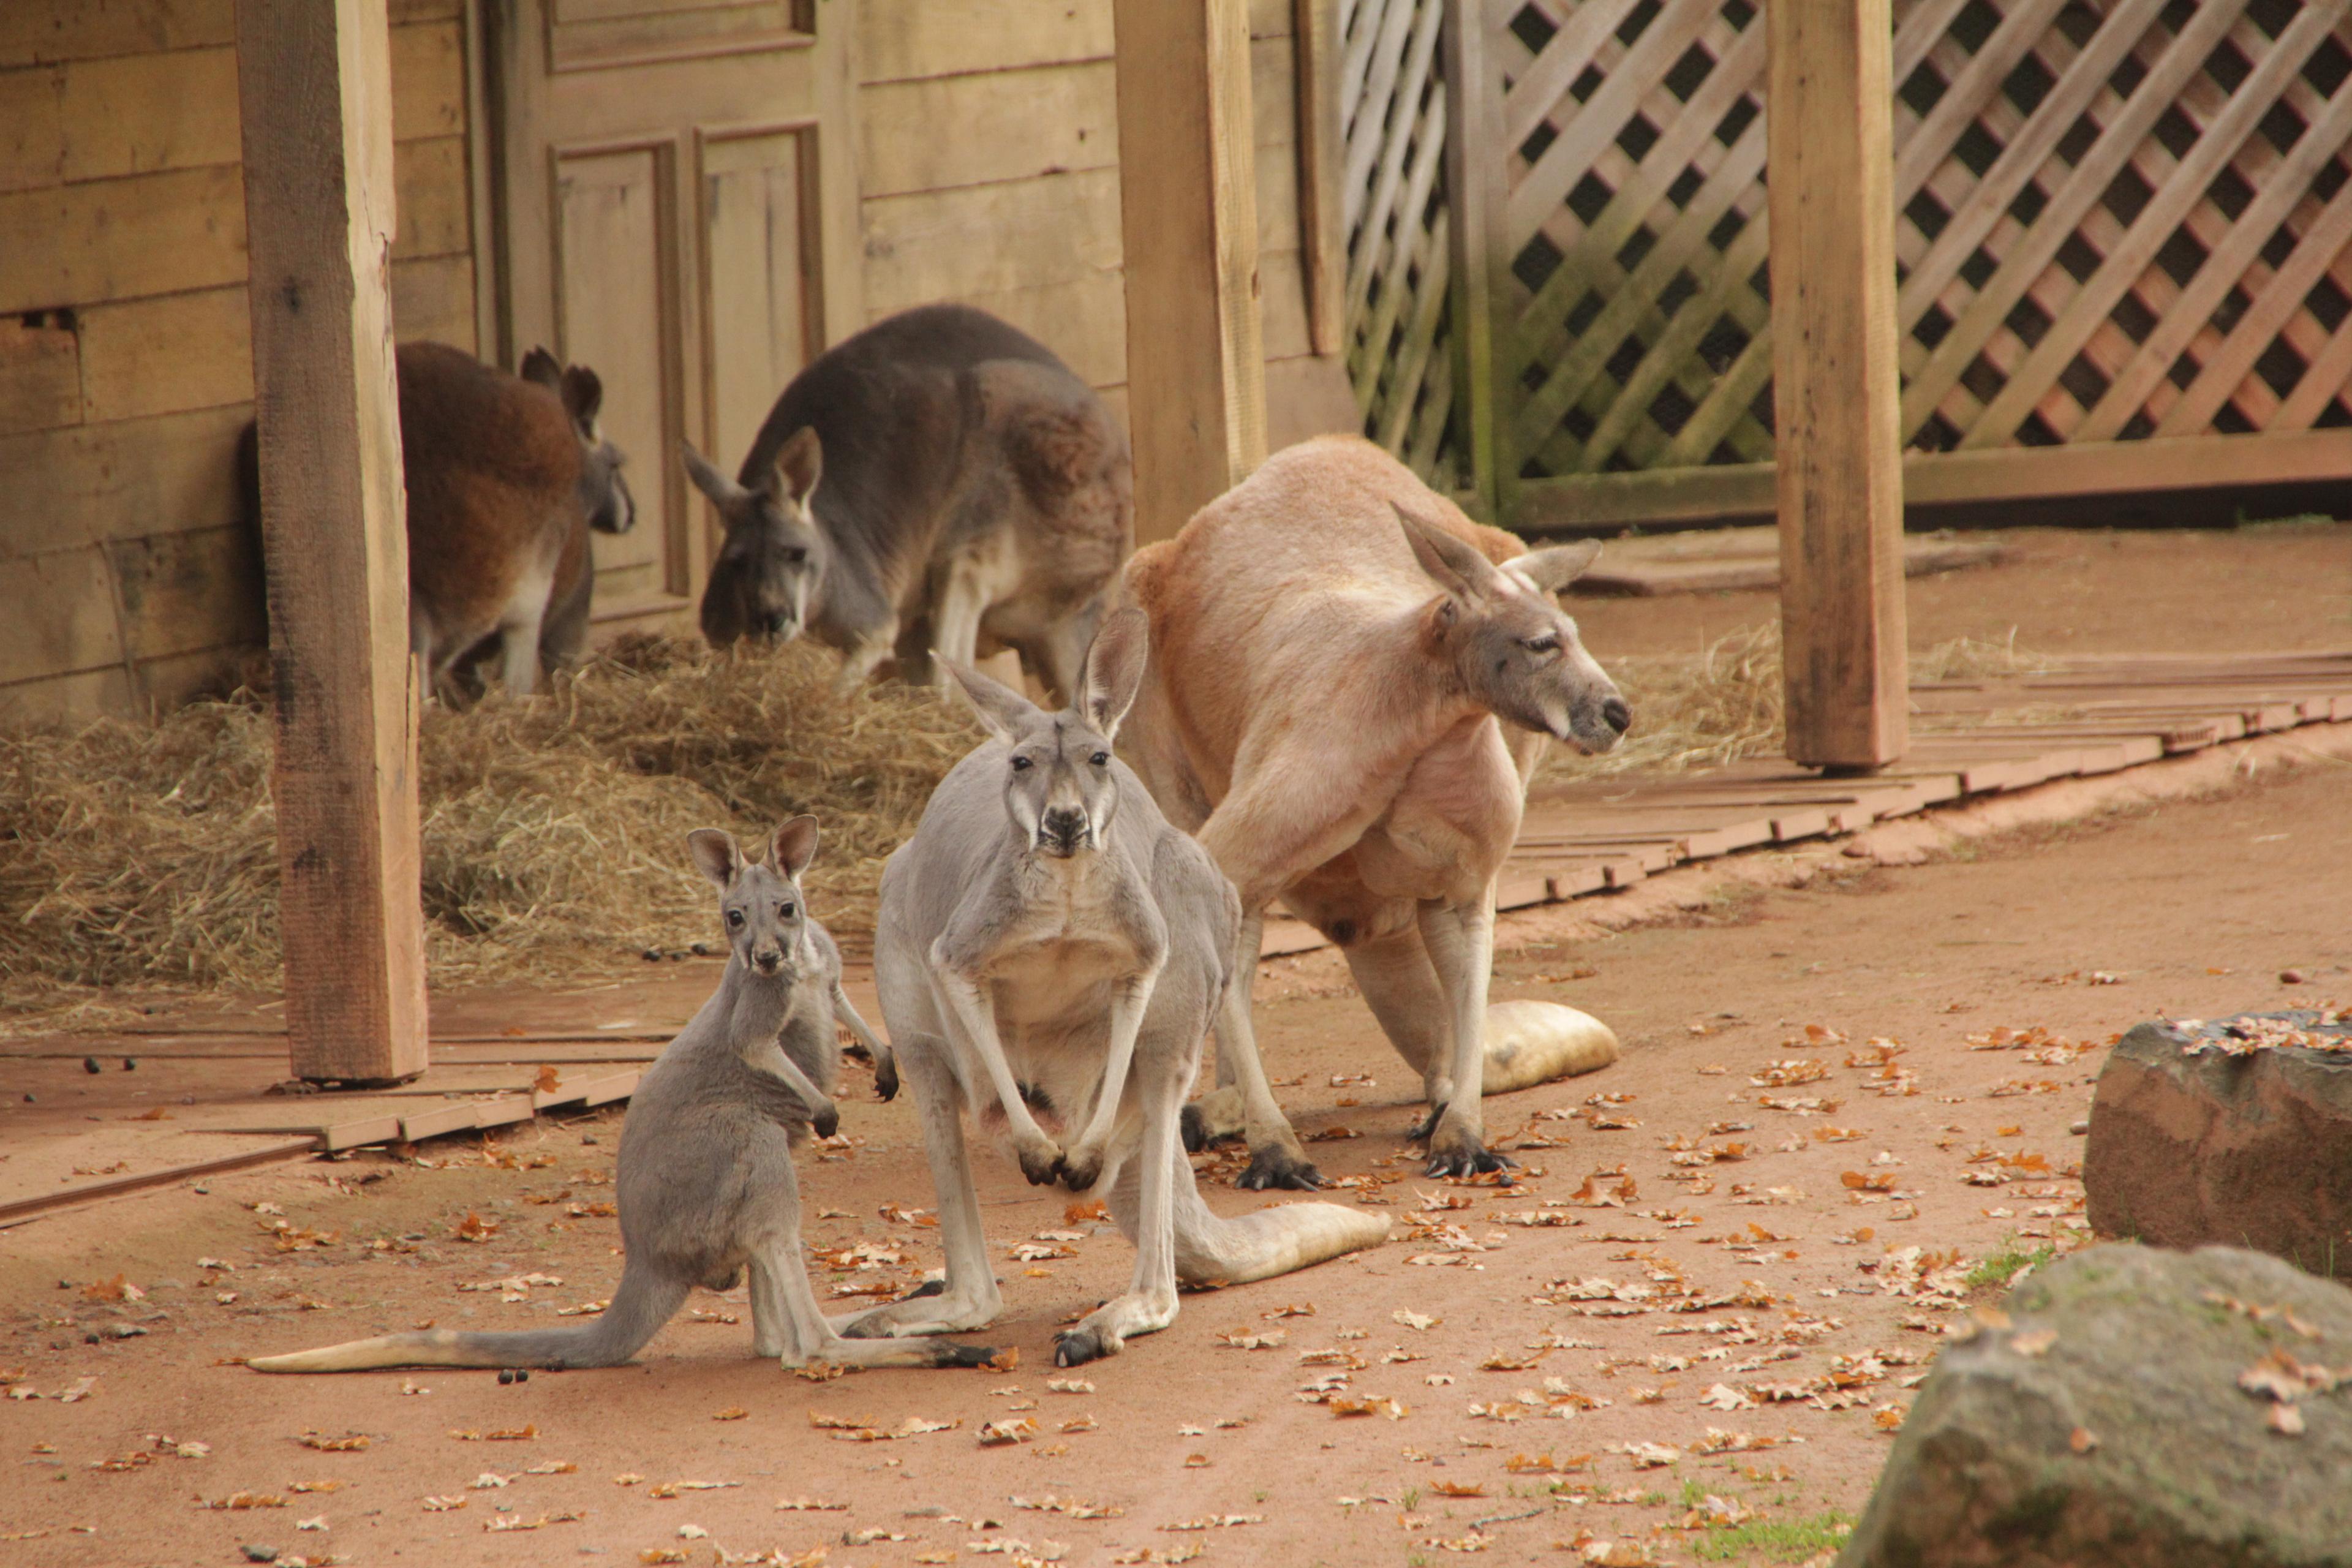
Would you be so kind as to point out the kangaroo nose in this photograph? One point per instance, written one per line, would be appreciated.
(769, 959)
(1618, 716)
(1063, 825)
(780, 625)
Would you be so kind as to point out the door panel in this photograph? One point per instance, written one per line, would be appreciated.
(678, 191)
(759, 293)
(609, 238)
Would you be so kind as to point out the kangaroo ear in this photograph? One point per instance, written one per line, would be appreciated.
(1451, 562)
(584, 396)
(1002, 709)
(799, 463)
(1554, 569)
(541, 367)
(723, 490)
(1114, 670)
(796, 846)
(716, 857)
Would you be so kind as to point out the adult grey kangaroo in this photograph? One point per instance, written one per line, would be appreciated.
(1050, 953)
(938, 484)
(705, 1182)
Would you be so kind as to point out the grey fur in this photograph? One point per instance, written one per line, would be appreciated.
(939, 484)
(704, 1185)
(1047, 941)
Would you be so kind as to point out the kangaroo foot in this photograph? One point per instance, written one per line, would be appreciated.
(1454, 1151)
(950, 1354)
(1198, 1134)
(1276, 1166)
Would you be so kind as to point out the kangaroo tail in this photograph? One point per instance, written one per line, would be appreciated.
(641, 1304)
(1211, 1249)
(1529, 1043)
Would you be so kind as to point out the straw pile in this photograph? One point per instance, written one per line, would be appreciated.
(553, 830)
(1725, 703)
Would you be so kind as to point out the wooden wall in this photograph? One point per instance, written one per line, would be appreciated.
(989, 169)
(127, 579)
(989, 175)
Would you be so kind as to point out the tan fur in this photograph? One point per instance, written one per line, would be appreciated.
(1310, 714)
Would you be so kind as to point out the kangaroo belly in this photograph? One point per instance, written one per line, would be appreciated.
(1451, 825)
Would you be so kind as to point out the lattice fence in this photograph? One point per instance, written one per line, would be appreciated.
(2115, 221)
(1393, 110)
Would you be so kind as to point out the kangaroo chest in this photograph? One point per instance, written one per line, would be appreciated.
(1452, 822)
(1055, 963)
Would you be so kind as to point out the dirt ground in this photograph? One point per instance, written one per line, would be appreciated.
(1763, 1176)
(1729, 1259)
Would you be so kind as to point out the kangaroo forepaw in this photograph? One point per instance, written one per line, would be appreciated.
(1276, 1166)
(885, 1076)
(827, 1120)
(1426, 1128)
(1040, 1161)
(1081, 1170)
(950, 1354)
(1076, 1347)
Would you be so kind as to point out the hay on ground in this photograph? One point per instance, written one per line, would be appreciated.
(553, 828)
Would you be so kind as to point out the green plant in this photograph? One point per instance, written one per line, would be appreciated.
(1777, 1539)
(2012, 1259)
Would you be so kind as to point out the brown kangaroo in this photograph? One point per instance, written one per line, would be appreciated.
(507, 475)
(938, 485)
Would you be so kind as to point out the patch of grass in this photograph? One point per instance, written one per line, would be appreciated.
(2012, 1259)
(1775, 1539)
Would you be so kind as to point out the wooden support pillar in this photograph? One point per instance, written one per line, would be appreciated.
(1188, 218)
(314, 81)
(1480, 248)
(1835, 394)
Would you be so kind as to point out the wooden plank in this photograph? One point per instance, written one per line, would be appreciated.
(314, 82)
(53, 30)
(83, 484)
(899, 39)
(429, 81)
(67, 701)
(166, 356)
(979, 129)
(183, 592)
(433, 298)
(434, 202)
(1647, 579)
(40, 372)
(69, 245)
(1322, 238)
(1834, 384)
(63, 619)
(186, 1171)
(1188, 218)
(1059, 228)
(457, 1116)
(1479, 256)
(139, 114)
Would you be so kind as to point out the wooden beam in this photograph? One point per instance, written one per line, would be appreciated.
(314, 81)
(1188, 220)
(1476, 188)
(1322, 239)
(1836, 399)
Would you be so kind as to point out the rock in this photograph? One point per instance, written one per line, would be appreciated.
(2237, 1131)
(2105, 1424)
(2292, 977)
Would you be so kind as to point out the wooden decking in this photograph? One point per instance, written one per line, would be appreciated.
(202, 1098)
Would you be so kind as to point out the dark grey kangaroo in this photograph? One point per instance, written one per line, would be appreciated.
(938, 485)
(706, 1184)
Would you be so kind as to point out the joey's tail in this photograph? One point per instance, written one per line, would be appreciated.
(1211, 1249)
(641, 1304)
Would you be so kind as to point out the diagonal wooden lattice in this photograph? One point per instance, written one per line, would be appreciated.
(1392, 109)
(2115, 221)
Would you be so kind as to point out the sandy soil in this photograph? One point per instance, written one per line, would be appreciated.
(1749, 1270)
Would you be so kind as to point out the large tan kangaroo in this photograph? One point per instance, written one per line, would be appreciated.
(1350, 682)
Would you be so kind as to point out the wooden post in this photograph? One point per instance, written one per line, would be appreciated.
(314, 80)
(1188, 218)
(1322, 243)
(1480, 259)
(1835, 394)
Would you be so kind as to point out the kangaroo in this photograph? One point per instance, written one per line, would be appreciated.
(705, 1180)
(1351, 684)
(938, 484)
(505, 474)
(1050, 953)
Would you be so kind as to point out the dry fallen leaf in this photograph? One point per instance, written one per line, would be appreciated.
(732, 1413)
(1002, 1433)
(2034, 1343)
(2287, 1420)
(2082, 1440)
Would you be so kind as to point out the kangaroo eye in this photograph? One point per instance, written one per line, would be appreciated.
(783, 912)
(1022, 764)
(1100, 759)
(734, 919)
(795, 557)
(1548, 643)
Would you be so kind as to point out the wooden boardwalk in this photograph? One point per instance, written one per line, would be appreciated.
(502, 1059)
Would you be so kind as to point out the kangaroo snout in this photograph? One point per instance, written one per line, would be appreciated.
(780, 625)
(1617, 714)
(1062, 830)
(768, 959)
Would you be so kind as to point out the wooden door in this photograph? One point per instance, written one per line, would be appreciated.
(678, 195)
